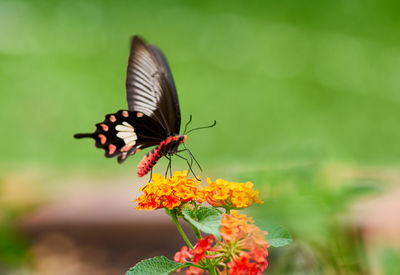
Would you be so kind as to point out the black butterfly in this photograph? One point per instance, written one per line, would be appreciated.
(153, 116)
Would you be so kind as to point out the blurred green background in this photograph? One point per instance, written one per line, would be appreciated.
(290, 83)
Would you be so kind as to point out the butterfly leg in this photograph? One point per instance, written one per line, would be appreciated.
(169, 167)
(184, 150)
(192, 157)
(188, 163)
(151, 174)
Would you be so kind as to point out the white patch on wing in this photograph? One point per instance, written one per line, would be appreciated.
(127, 133)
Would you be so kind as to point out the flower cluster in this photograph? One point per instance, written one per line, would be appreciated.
(244, 243)
(169, 193)
(242, 249)
(222, 193)
(178, 189)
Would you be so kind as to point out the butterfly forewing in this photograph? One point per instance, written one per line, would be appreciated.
(150, 88)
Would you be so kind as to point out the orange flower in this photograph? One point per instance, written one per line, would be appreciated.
(244, 244)
(234, 226)
(222, 193)
(169, 193)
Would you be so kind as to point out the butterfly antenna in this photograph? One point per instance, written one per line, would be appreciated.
(204, 127)
(187, 123)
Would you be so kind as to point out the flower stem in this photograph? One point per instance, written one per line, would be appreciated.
(195, 230)
(212, 270)
(179, 227)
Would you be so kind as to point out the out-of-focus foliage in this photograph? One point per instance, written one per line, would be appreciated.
(13, 246)
(306, 201)
(390, 259)
(285, 80)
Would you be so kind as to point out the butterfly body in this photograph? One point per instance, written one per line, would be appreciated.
(168, 146)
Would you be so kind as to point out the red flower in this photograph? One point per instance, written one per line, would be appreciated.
(194, 271)
(201, 247)
(242, 266)
(183, 255)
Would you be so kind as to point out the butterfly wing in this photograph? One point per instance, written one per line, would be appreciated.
(125, 133)
(150, 88)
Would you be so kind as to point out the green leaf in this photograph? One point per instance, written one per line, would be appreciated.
(277, 235)
(206, 219)
(155, 266)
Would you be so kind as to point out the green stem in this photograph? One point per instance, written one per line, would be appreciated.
(196, 231)
(212, 270)
(179, 227)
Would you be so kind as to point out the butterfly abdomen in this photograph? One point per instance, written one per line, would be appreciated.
(167, 146)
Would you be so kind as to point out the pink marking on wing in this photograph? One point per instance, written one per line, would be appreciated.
(124, 154)
(104, 127)
(126, 148)
(111, 149)
(125, 113)
(102, 138)
(113, 118)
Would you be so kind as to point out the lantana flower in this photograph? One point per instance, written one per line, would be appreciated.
(244, 244)
(222, 193)
(169, 193)
(242, 249)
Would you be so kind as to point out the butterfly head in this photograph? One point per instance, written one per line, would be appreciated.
(182, 138)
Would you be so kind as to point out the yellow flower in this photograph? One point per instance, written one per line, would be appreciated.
(222, 193)
(169, 193)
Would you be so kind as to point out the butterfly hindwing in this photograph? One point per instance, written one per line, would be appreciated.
(124, 133)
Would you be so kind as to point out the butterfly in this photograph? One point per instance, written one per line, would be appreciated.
(153, 117)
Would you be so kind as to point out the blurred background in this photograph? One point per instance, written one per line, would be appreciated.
(306, 95)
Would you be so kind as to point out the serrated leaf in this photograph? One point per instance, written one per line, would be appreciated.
(159, 265)
(277, 235)
(206, 219)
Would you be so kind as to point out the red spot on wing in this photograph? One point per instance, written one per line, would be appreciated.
(113, 118)
(104, 127)
(111, 149)
(125, 113)
(124, 154)
(102, 138)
